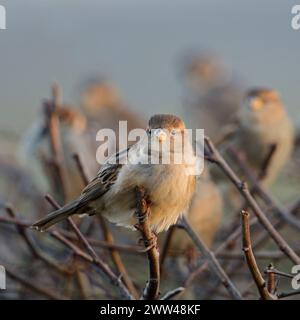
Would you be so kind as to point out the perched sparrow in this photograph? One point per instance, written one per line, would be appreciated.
(264, 124)
(205, 214)
(213, 96)
(169, 187)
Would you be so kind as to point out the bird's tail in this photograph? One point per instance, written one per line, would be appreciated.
(56, 216)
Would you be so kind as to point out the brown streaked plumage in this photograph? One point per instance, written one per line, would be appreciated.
(112, 192)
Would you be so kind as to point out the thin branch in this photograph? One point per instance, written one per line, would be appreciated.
(32, 247)
(280, 273)
(108, 236)
(95, 258)
(81, 169)
(232, 237)
(57, 154)
(151, 291)
(52, 124)
(32, 286)
(98, 243)
(288, 294)
(117, 260)
(132, 249)
(264, 255)
(173, 293)
(271, 281)
(212, 261)
(166, 246)
(262, 174)
(267, 162)
(269, 200)
(294, 209)
(214, 156)
(252, 265)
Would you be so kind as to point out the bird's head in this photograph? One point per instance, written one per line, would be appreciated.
(261, 105)
(163, 127)
(167, 133)
(203, 71)
(99, 95)
(71, 119)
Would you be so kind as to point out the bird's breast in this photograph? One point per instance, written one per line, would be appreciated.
(168, 188)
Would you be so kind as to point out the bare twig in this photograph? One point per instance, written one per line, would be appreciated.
(117, 260)
(151, 291)
(269, 200)
(232, 237)
(52, 124)
(32, 247)
(108, 236)
(294, 208)
(132, 249)
(288, 294)
(103, 266)
(280, 273)
(53, 127)
(214, 156)
(98, 243)
(166, 247)
(212, 261)
(266, 163)
(264, 255)
(173, 293)
(252, 265)
(271, 281)
(32, 286)
(81, 169)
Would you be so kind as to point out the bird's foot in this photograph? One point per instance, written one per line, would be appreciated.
(149, 243)
(138, 227)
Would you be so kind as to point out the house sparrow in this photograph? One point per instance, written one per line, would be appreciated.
(213, 96)
(264, 124)
(169, 187)
(205, 215)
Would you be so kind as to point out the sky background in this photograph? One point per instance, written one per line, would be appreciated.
(137, 44)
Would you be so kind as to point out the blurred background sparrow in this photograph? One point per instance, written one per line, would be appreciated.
(104, 108)
(262, 130)
(263, 124)
(205, 215)
(212, 95)
(169, 187)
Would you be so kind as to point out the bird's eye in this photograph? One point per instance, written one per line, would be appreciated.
(256, 104)
(173, 132)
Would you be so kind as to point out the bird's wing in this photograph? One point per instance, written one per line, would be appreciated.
(94, 190)
(105, 178)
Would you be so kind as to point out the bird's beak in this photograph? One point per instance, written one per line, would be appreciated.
(160, 134)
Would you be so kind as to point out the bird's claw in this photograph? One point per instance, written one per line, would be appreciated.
(149, 244)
